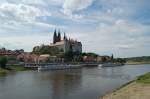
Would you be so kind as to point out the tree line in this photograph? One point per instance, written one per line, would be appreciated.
(3, 61)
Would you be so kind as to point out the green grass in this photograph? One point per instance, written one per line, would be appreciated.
(18, 68)
(136, 63)
(144, 78)
(3, 72)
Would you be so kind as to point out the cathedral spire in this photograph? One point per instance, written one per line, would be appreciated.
(65, 38)
(59, 36)
(54, 37)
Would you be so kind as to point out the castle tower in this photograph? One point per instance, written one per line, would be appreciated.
(55, 37)
(65, 38)
(59, 36)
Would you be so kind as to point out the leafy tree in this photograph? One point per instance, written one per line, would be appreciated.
(3, 61)
(104, 59)
(90, 54)
(46, 50)
(139, 59)
(68, 56)
(120, 60)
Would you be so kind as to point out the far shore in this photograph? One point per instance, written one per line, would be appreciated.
(136, 63)
(136, 89)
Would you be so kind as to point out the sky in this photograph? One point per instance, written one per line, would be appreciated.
(121, 27)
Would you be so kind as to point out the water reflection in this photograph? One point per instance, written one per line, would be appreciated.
(63, 81)
(114, 72)
(85, 83)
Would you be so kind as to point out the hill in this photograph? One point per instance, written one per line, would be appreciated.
(138, 60)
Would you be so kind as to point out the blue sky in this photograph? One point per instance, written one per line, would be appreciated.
(121, 27)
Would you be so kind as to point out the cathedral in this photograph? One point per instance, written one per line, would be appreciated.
(66, 44)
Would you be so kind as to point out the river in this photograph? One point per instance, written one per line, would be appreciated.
(85, 83)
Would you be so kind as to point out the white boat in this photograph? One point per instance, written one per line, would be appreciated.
(58, 67)
(111, 64)
(100, 65)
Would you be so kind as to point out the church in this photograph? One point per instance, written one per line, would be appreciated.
(65, 44)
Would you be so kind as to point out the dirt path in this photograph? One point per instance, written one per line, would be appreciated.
(132, 91)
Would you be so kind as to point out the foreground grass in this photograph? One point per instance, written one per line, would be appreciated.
(18, 68)
(137, 89)
(3, 72)
(145, 79)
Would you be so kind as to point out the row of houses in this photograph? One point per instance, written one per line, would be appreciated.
(4, 51)
(21, 56)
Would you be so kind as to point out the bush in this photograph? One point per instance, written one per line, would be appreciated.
(3, 72)
(3, 61)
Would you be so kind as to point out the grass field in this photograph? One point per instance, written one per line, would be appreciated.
(137, 89)
(136, 63)
(3, 72)
(144, 78)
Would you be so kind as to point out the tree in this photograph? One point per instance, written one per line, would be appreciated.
(120, 60)
(104, 59)
(3, 61)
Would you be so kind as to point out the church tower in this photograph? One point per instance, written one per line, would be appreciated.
(55, 37)
(65, 38)
(59, 36)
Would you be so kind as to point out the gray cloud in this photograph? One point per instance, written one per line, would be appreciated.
(103, 26)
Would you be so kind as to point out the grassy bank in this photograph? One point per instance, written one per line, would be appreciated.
(3, 72)
(138, 60)
(137, 89)
(144, 79)
(18, 68)
(136, 63)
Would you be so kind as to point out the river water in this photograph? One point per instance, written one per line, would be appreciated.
(85, 83)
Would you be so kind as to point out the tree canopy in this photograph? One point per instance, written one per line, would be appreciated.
(3, 61)
(47, 50)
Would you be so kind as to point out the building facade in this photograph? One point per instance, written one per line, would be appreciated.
(66, 44)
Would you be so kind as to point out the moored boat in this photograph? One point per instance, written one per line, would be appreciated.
(111, 64)
(58, 67)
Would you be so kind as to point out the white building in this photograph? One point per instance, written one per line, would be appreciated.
(65, 44)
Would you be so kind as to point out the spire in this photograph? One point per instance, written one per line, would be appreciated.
(112, 57)
(54, 37)
(59, 36)
(65, 38)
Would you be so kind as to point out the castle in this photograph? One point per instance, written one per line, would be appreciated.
(65, 44)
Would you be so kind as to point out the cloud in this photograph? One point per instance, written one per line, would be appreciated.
(22, 19)
(76, 5)
(26, 42)
(121, 36)
(41, 2)
(103, 26)
(21, 11)
(70, 6)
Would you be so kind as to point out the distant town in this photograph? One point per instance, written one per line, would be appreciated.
(62, 49)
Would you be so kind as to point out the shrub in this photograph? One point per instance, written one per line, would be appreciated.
(3, 61)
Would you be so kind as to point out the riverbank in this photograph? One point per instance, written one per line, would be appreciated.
(137, 89)
(3, 72)
(136, 63)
